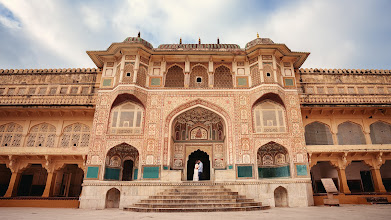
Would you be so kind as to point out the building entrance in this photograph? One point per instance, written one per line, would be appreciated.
(193, 157)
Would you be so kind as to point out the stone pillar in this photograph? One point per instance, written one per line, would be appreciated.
(211, 80)
(367, 138)
(343, 183)
(377, 181)
(135, 75)
(187, 80)
(335, 138)
(13, 185)
(49, 184)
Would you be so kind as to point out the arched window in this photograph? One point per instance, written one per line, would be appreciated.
(141, 76)
(380, 133)
(318, 133)
(10, 135)
(350, 134)
(269, 117)
(75, 135)
(255, 76)
(223, 77)
(199, 77)
(128, 73)
(175, 77)
(126, 119)
(41, 135)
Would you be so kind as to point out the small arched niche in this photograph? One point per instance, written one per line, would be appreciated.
(112, 198)
(280, 197)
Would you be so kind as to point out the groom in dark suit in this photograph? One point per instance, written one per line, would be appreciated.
(200, 169)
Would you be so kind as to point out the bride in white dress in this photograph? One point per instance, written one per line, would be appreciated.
(195, 175)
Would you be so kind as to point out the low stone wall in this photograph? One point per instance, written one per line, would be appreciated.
(40, 202)
(350, 199)
(94, 191)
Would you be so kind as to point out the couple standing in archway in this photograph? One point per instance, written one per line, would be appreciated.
(198, 170)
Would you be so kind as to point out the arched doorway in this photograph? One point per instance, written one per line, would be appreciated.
(281, 197)
(122, 163)
(32, 181)
(323, 169)
(112, 198)
(127, 172)
(68, 181)
(385, 171)
(359, 177)
(193, 157)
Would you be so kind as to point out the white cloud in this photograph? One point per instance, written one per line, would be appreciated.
(9, 23)
(335, 32)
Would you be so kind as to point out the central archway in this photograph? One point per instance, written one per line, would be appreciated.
(204, 158)
(198, 128)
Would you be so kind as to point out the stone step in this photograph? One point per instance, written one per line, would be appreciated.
(193, 201)
(197, 197)
(211, 193)
(215, 209)
(195, 205)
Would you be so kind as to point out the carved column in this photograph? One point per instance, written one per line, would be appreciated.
(377, 181)
(341, 166)
(15, 177)
(13, 184)
(49, 184)
(343, 183)
(377, 162)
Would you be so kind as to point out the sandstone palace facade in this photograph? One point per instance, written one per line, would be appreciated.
(133, 127)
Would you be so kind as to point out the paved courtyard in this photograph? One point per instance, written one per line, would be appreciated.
(344, 212)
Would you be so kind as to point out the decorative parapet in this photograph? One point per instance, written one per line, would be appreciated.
(48, 86)
(344, 86)
(318, 99)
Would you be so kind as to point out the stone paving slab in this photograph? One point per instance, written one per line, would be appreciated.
(345, 212)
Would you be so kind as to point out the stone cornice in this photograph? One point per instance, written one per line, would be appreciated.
(349, 148)
(43, 151)
(74, 100)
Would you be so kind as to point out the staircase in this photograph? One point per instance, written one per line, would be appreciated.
(196, 198)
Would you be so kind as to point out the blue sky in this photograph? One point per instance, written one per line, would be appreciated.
(351, 34)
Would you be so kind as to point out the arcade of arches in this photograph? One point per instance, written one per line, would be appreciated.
(35, 181)
(353, 170)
